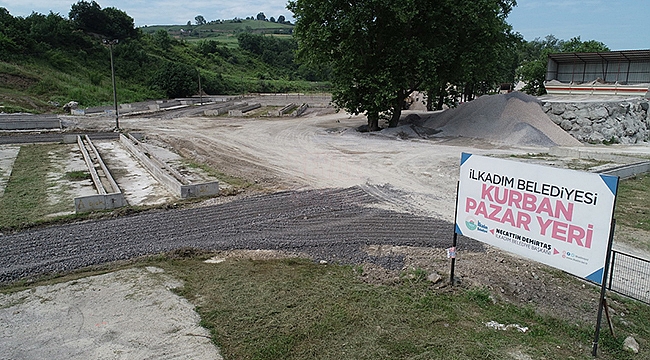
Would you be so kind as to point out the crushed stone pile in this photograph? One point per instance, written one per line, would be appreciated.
(512, 119)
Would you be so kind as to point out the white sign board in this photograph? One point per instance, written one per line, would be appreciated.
(555, 216)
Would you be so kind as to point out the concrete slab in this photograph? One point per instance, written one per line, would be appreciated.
(67, 159)
(8, 154)
(129, 314)
(138, 186)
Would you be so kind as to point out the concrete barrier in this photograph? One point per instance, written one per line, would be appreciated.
(245, 109)
(299, 111)
(224, 109)
(104, 200)
(629, 171)
(166, 175)
(99, 202)
(29, 122)
(285, 110)
(314, 100)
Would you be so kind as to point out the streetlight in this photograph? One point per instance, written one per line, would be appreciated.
(110, 44)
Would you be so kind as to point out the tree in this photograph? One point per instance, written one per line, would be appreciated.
(200, 20)
(261, 16)
(281, 19)
(175, 79)
(380, 51)
(534, 58)
(480, 53)
(110, 23)
(272, 19)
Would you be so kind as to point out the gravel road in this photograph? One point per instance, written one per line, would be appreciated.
(329, 225)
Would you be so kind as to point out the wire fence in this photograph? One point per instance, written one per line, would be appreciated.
(630, 276)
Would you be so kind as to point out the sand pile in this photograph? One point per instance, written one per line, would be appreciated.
(512, 119)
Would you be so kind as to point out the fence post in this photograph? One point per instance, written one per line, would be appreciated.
(611, 270)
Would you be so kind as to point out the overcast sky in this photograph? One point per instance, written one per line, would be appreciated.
(621, 24)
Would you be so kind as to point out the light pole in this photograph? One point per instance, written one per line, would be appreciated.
(110, 44)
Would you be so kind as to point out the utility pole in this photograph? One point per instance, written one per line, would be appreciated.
(110, 44)
(200, 90)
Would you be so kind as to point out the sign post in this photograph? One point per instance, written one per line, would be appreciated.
(561, 218)
(602, 303)
(451, 252)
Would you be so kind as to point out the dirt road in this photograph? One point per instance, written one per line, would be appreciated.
(322, 151)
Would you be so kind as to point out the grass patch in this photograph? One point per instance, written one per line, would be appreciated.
(295, 309)
(632, 202)
(235, 182)
(77, 175)
(25, 198)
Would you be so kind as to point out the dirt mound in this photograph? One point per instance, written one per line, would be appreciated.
(512, 119)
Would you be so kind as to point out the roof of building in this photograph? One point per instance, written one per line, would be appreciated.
(628, 55)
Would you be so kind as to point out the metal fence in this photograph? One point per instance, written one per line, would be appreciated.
(629, 275)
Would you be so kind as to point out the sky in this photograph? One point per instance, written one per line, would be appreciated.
(619, 24)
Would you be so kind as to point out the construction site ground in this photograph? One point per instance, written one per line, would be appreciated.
(322, 190)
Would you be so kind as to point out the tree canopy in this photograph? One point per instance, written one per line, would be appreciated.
(534, 58)
(382, 50)
(110, 23)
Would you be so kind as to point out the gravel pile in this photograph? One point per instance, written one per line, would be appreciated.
(511, 119)
(332, 225)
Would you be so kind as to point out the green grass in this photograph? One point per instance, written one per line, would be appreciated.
(77, 175)
(32, 87)
(25, 197)
(633, 202)
(296, 309)
(236, 183)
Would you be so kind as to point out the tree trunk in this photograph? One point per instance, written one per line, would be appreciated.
(430, 96)
(441, 100)
(397, 109)
(394, 120)
(373, 121)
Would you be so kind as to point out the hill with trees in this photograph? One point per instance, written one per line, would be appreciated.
(371, 56)
(48, 60)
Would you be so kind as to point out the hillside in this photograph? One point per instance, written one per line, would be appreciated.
(224, 31)
(47, 61)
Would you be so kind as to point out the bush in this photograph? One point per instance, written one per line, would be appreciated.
(176, 79)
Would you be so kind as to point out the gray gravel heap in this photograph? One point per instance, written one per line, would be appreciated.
(512, 119)
(331, 225)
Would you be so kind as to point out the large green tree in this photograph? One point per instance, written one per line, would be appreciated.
(534, 58)
(110, 23)
(379, 51)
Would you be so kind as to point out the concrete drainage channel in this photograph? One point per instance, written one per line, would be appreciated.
(109, 195)
(102, 180)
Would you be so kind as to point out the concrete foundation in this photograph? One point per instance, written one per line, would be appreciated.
(106, 199)
(243, 110)
(168, 176)
(29, 122)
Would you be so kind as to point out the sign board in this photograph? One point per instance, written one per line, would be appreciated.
(555, 216)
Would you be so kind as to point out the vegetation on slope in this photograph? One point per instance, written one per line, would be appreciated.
(48, 60)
